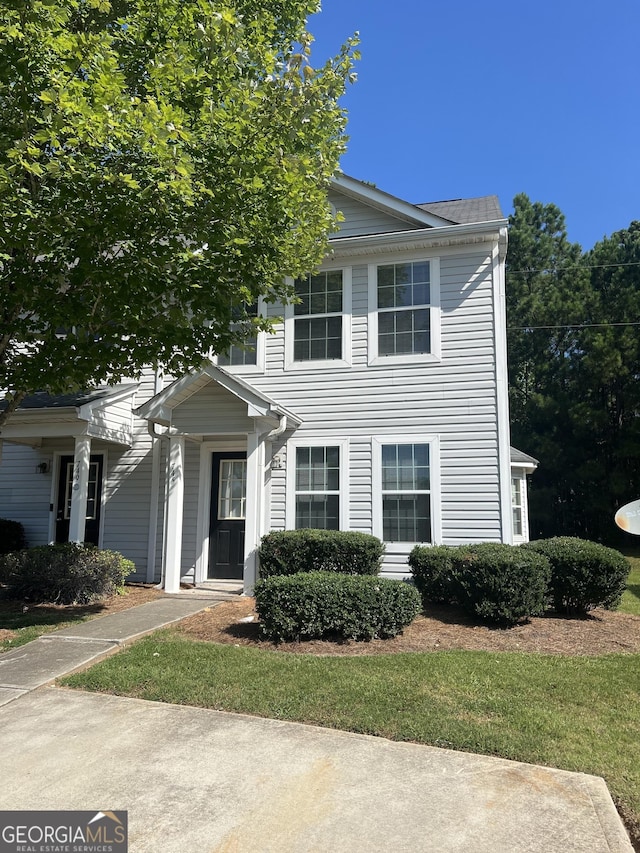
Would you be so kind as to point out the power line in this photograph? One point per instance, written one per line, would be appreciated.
(576, 267)
(573, 326)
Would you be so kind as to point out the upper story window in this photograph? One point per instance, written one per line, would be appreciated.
(318, 326)
(404, 316)
(249, 355)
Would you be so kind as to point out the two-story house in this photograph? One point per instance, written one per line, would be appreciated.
(379, 404)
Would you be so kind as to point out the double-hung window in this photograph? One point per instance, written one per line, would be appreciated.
(317, 485)
(248, 355)
(406, 489)
(318, 324)
(517, 505)
(404, 311)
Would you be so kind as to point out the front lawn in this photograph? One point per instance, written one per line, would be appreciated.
(576, 713)
(631, 597)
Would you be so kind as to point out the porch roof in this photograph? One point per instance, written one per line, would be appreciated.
(103, 413)
(519, 459)
(159, 408)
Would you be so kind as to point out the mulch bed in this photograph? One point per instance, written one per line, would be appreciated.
(439, 628)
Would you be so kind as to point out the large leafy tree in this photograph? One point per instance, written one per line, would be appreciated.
(162, 164)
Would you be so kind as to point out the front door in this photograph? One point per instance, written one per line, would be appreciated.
(228, 511)
(94, 499)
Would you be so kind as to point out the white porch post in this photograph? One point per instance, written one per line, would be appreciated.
(175, 502)
(255, 489)
(79, 488)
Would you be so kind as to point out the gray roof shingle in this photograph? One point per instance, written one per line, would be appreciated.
(464, 211)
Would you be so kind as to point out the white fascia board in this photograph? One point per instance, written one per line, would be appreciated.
(527, 466)
(373, 197)
(424, 238)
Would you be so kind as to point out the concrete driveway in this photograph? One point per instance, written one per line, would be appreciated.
(198, 780)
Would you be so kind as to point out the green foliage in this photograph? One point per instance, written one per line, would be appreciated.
(291, 551)
(584, 574)
(432, 569)
(498, 583)
(12, 536)
(161, 165)
(574, 391)
(501, 583)
(325, 604)
(64, 574)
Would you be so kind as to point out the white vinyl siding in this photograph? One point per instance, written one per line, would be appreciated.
(362, 219)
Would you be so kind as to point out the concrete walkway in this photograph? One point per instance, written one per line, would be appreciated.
(60, 652)
(194, 779)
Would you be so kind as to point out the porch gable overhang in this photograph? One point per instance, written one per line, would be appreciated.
(105, 414)
(159, 409)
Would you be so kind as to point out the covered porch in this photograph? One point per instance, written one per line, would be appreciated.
(218, 434)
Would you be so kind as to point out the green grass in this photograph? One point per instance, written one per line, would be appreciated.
(631, 598)
(576, 713)
(27, 625)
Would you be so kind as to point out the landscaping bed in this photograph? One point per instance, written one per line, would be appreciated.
(439, 628)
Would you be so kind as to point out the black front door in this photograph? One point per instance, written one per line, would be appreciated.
(94, 499)
(228, 510)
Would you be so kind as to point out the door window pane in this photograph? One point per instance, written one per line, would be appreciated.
(232, 489)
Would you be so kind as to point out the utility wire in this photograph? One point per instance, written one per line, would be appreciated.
(576, 267)
(574, 326)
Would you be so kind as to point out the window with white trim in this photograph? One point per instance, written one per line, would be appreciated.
(404, 311)
(317, 487)
(318, 317)
(406, 493)
(517, 505)
(247, 354)
(318, 325)
(404, 324)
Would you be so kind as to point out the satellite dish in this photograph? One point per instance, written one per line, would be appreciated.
(628, 517)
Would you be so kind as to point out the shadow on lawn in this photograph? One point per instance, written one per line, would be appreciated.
(14, 616)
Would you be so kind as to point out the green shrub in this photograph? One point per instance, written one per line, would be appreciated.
(12, 536)
(501, 583)
(433, 573)
(64, 574)
(584, 574)
(288, 552)
(325, 604)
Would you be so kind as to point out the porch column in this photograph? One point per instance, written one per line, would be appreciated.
(175, 502)
(255, 490)
(79, 488)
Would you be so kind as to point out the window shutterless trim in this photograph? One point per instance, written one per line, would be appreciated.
(344, 489)
(435, 353)
(259, 366)
(289, 328)
(433, 441)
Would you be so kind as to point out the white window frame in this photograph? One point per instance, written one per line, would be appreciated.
(434, 313)
(289, 328)
(518, 473)
(259, 366)
(344, 492)
(433, 441)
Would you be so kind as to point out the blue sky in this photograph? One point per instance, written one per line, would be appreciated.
(465, 98)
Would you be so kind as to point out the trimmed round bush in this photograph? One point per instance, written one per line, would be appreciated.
(315, 605)
(501, 583)
(433, 574)
(288, 552)
(12, 536)
(68, 573)
(584, 574)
